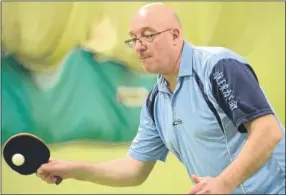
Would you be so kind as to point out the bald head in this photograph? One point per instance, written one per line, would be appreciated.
(155, 31)
(158, 14)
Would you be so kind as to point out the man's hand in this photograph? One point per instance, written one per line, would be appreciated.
(48, 171)
(209, 185)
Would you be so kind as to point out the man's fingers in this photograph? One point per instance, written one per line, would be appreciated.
(198, 184)
(48, 167)
(43, 176)
(50, 179)
(203, 192)
(196, 188)
(46, 176)
(40, 171)
(195, 179)
(44, 170)
(193, 190)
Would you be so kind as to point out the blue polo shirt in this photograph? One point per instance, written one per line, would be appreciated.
(201, 123)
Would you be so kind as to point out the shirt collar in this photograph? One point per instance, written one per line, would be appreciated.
(186, 66)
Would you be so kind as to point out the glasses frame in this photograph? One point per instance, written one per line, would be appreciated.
(149, 38)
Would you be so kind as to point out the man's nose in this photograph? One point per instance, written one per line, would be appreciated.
(139, 46)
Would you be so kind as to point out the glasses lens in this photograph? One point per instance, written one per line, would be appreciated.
(148, 38)
(130, 43)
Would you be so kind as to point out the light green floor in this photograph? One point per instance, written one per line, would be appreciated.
(166, 178)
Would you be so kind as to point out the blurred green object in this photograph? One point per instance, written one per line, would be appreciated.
(92, 99)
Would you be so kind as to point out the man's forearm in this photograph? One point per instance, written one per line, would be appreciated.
(119, 173)
(254, 154)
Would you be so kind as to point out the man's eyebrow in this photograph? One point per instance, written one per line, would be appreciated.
(143, 29)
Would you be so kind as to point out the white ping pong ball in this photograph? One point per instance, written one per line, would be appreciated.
(18, 159)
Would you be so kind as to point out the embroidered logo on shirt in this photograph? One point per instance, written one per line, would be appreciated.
(225, 89)
(177, 122)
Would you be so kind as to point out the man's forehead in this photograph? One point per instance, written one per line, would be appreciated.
(141, 23)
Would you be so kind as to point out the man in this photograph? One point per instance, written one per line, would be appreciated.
(207, 108)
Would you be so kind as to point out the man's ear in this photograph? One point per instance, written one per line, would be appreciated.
(176, 33)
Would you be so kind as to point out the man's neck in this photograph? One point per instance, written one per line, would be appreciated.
(172, 82)
(172, 77)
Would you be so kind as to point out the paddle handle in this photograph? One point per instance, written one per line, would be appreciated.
(59, 180)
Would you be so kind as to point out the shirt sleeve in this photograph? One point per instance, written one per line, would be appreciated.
(147, 145)
(237, 91)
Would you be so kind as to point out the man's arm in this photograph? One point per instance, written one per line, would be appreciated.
(236, 89)
(120, 172)
(146, 148)
(264, 134)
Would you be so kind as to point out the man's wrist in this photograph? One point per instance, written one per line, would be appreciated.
(79, 170)
(227, 181)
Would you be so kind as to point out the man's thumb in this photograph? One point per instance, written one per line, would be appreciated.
(195, 179)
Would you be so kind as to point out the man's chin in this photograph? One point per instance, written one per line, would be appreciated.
(148, 68)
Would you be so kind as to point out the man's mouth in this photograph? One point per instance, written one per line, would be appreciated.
(142, 58)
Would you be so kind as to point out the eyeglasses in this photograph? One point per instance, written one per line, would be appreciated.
(149, 38)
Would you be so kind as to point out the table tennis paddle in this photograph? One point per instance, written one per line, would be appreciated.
(30, 149)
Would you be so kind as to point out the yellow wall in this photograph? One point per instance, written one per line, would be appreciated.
(255, 30)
